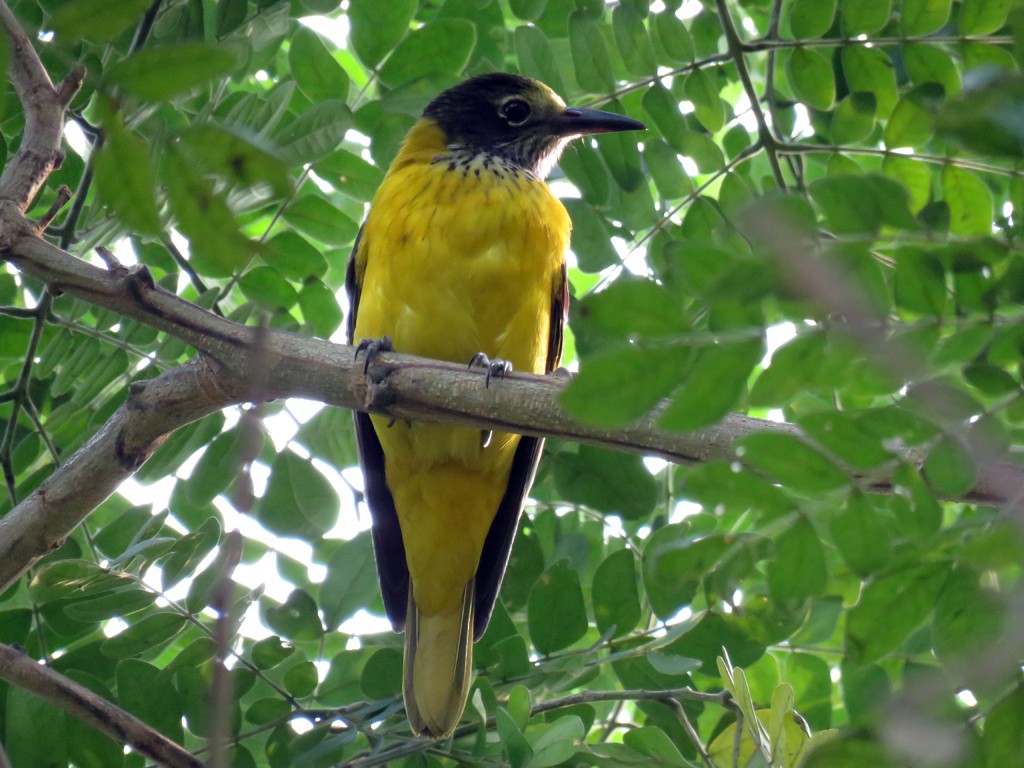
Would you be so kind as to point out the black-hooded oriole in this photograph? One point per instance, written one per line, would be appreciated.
(461, 257)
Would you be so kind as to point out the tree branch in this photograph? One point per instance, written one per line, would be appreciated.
(18, 668)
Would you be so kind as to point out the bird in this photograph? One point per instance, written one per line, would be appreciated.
(461, 257)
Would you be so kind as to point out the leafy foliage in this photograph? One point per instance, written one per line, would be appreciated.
(840, 176)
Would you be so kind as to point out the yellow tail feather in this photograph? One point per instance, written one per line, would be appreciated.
(438, 666)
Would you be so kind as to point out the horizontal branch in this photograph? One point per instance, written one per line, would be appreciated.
(19, 668)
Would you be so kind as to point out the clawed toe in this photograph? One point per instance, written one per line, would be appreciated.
(496, 368)
(372, 348)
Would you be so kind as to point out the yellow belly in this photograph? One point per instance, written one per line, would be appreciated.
(452, 264)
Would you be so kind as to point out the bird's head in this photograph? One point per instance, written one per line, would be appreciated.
(518, 119)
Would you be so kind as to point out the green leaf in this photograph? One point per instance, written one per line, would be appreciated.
(298, 501)
(156, 74)
(315, 134)
(556, 743)
(863, 17)
(628, 310)
(95, 20)
(350, 174)
(556, 615)
(294, 257)
(983, 17)
(126, 180)
(810, 75)
(618, 386)
(1003, 740)
(920, 282)
(351, 581)
(923, 17)
(144, 691)
(791, 461)
(797, 573)
(910, 125)
(968, 617)
(890, 608)
(969, 201)
(674, 562)
(295, 619)
(527, 10)
(320, 307)
(809, 19)
(791, 369)
(655, 744)
(442, 46)
(271, 651)
(230, 15)
(36, 733)
(606, 481)
(317, 73)
(854, 118)
(841, 433)
(854, 204)
(929, 64)
(616, 601)
(870, 70)
(314, 216)
(301, 679)
(514, 744)
(701, 89)
(672, 38)
(590, 56)
(915, 176)
(145, 637)
(713, 385)
(266, 287)
(666, 170)
(536, 57)
(330, 435)
(861, 535)
(633, 41)
(591, 240)
(950, 469)
(377, 27)
(237, 158)
(663, 109)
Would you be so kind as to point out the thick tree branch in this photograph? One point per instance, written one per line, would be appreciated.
(20, 669)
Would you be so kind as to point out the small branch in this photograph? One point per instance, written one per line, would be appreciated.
(63, 196)
(40, 150)
(18, 668)
(764, 132)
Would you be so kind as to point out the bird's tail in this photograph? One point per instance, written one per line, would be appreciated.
(438, 665)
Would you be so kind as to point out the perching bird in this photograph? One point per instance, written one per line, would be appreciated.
(461, 258)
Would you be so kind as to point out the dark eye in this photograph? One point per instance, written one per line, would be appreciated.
(515, 111)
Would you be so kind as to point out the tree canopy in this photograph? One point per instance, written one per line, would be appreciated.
(779, 521)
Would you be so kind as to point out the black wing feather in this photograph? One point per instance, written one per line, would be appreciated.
(498, 544)
(388, 548)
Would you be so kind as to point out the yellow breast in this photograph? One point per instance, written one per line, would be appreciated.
(459, 255)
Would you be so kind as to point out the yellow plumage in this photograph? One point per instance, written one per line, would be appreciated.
(462, 252)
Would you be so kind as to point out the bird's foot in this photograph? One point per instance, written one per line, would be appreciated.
(496, 368)
(372, 348)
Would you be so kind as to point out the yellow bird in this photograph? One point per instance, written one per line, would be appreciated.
(461, 258)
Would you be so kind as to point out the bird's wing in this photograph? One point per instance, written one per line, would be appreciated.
(498, 544)
(387, 534)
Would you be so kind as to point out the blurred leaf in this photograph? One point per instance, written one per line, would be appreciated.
(982, 17)
(854, 118)
(923, 17)
(791, 461)
(295, 619)
(863, 17)
(298, 501)
(606, 481)
(969, 201)
(702, 91)
(810, 75)
(890, 608)
(155, 74)
(633, 42)
(351, 581)
(590, 54)
(870, 70)
(713, 385)
(557, 618)
(1004, 730)
(438, 46)
(125, 179)
(616, 602)
(377, 27)
(316, 72)
(95, 20)
(809, 19)
(950, 469)
(672, 38)
(798, 571)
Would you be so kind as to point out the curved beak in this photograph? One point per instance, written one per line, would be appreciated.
(577, 121)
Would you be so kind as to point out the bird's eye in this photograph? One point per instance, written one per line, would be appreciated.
(515, 111)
